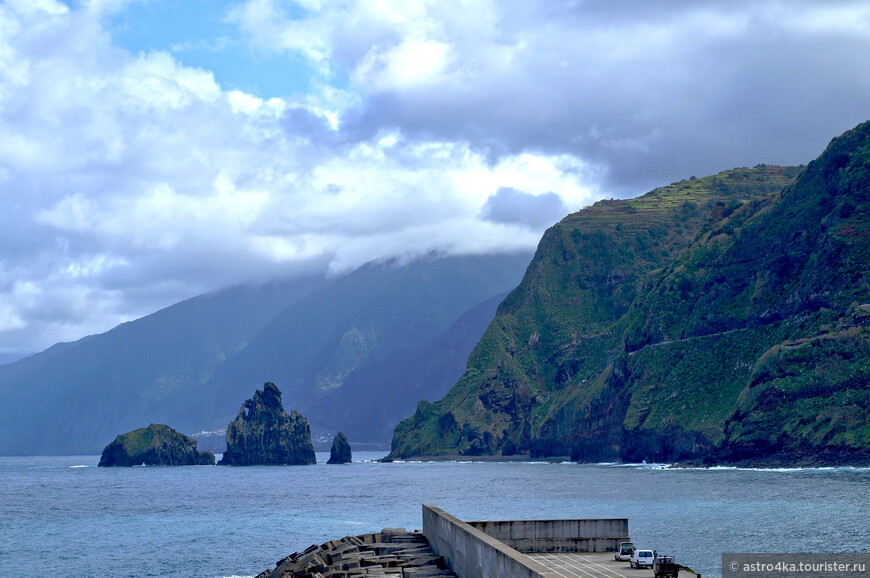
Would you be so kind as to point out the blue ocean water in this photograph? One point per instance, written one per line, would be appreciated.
(63, 516)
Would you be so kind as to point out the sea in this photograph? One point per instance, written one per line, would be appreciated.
(65, 517)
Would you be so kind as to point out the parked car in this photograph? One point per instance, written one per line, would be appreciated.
(624, 551)
(665, 566)
(642, 558)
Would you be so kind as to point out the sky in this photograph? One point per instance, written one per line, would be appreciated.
(153, 150)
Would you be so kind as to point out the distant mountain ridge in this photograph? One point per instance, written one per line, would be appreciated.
(403, 378)
(721, 319)
(191, 365)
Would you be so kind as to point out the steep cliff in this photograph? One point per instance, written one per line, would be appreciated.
(155, 445)
(264, 434)
(717, 319)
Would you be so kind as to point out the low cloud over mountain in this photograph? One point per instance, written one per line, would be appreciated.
(133, 175)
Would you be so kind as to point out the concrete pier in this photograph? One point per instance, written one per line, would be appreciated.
(447, 546)
(593, 565)
(471, 553)
(498, 549)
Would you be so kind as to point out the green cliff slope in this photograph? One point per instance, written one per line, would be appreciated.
(715, 319)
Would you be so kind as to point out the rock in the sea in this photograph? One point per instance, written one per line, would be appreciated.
(340, 452)
(155, 445)
(264, 434)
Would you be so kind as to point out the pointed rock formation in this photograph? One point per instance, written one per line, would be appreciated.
(340, 452)
(264, 434)
(155, 445)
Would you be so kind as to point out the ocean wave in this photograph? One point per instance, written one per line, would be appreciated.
(666, 466)
(641, 465)
(778, 470)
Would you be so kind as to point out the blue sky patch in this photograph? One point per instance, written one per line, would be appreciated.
(198, 35)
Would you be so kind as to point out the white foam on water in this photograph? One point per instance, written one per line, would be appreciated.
(641, 465)
(737, 468)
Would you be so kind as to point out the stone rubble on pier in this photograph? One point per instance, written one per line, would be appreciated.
(393, 553)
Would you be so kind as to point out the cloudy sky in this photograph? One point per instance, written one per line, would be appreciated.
(152, 150)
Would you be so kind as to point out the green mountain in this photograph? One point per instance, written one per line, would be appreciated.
(76, 397)
(191, 365)
(402, 377)
(721, 319)
(350, 349)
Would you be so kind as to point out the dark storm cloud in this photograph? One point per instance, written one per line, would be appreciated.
(510, 206)
(654, 92)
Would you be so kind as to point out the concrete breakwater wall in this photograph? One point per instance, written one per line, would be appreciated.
(448, 546)
(577, 535)
(471, 553)
(495, 549)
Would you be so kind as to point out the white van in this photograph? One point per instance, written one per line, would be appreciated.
(642, 558)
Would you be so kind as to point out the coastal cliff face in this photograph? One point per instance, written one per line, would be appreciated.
(155, 445)
(264, 434)
(722, 319)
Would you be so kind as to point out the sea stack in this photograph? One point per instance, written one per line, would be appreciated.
(264, 434)
(155, 445)
(340, 452)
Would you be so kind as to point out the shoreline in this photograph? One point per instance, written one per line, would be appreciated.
(460, 458)
(754, 464)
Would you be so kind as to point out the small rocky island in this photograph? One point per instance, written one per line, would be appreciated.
(155, 445)
(264, 434)
(340, 451)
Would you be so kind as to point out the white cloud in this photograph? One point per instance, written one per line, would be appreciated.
(129, 180)
(133, 181)
(411, 64)
(157, 81)
(271, 30)
(826, 19)
(635, 88)
(31, 7)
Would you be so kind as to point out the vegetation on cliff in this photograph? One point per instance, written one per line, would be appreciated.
(155, 445)
(719, 319)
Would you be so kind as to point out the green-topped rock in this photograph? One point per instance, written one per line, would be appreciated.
(340, 451)
(155, 445)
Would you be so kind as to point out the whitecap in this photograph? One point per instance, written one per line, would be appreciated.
(641, 465)
(777, 470)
